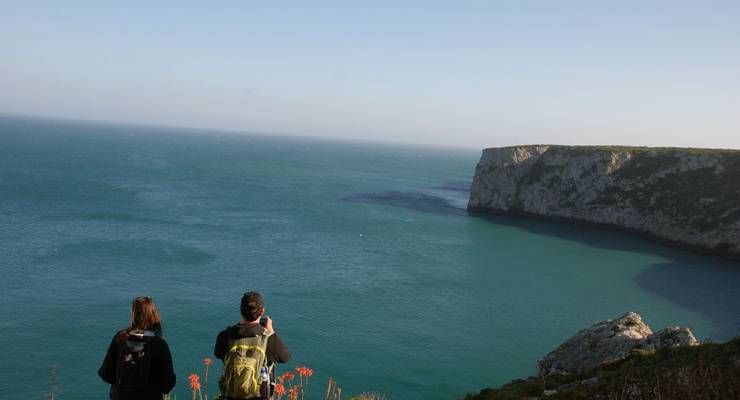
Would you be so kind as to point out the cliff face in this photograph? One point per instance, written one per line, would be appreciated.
(688, 197)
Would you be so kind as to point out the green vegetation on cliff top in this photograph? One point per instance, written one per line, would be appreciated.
(709, 370)
(633, 149)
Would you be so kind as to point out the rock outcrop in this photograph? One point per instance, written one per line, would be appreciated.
(685, 197)
(705, 371)
(609, 341)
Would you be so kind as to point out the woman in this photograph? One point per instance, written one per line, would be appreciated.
(138, 364)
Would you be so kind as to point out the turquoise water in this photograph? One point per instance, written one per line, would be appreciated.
(371, 268)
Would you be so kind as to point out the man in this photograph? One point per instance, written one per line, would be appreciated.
(251, 341)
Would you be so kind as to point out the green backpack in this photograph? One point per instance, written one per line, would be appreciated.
(242, 367)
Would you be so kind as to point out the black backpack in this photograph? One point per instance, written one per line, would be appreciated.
(134, 363)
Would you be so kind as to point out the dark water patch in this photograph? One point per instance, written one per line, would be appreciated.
(594, 235)
(711, 290)
(150, 251)
(455, 186)
(414, 200)
(701, 283)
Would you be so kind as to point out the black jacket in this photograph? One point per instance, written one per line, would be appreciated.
(162, 374)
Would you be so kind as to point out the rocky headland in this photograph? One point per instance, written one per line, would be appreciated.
(684, 197)
(610, 341)
(624, 359)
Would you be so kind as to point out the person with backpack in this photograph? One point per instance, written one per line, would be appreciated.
(249, 350)
(138, 364)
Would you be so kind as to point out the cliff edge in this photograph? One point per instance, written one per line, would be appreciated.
(685, 197)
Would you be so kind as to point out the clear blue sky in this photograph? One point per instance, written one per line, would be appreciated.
(472, 73)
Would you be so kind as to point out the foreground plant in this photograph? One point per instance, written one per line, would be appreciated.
(303, 374)
(293, 390)
(207, 362)
(194, 381)
(53, 384)
(368, 396)
(333, 392)
(285, 385)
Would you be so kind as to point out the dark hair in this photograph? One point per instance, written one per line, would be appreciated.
(144, 316)
(252, 306)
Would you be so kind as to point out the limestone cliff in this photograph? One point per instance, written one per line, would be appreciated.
(686, 197)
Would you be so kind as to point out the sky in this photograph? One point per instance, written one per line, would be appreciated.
(464, 73)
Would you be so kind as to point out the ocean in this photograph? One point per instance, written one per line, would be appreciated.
(370, 266)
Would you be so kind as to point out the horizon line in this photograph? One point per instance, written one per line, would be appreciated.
(236, 131)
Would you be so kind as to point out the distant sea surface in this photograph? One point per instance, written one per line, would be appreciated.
(370, 266)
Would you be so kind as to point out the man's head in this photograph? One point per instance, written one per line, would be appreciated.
(252, 306)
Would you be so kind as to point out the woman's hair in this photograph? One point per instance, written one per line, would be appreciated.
(144, 316)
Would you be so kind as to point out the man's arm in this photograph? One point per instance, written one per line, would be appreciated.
(219, 351)
(277, 352)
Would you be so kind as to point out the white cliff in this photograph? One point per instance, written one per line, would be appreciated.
(686, 197)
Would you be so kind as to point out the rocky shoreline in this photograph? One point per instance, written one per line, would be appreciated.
(688, 198)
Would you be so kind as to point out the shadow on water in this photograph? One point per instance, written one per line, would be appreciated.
(462, 187)
(711, 290)
(449, 198)
(705, 284)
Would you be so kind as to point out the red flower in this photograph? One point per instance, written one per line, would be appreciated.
(304, 371)
(207, 361)
(194, 380)
(286, 376)
(280, 390)
(293, 393)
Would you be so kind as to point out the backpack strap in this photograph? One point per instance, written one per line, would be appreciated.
(266, 364)
(265, 338)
